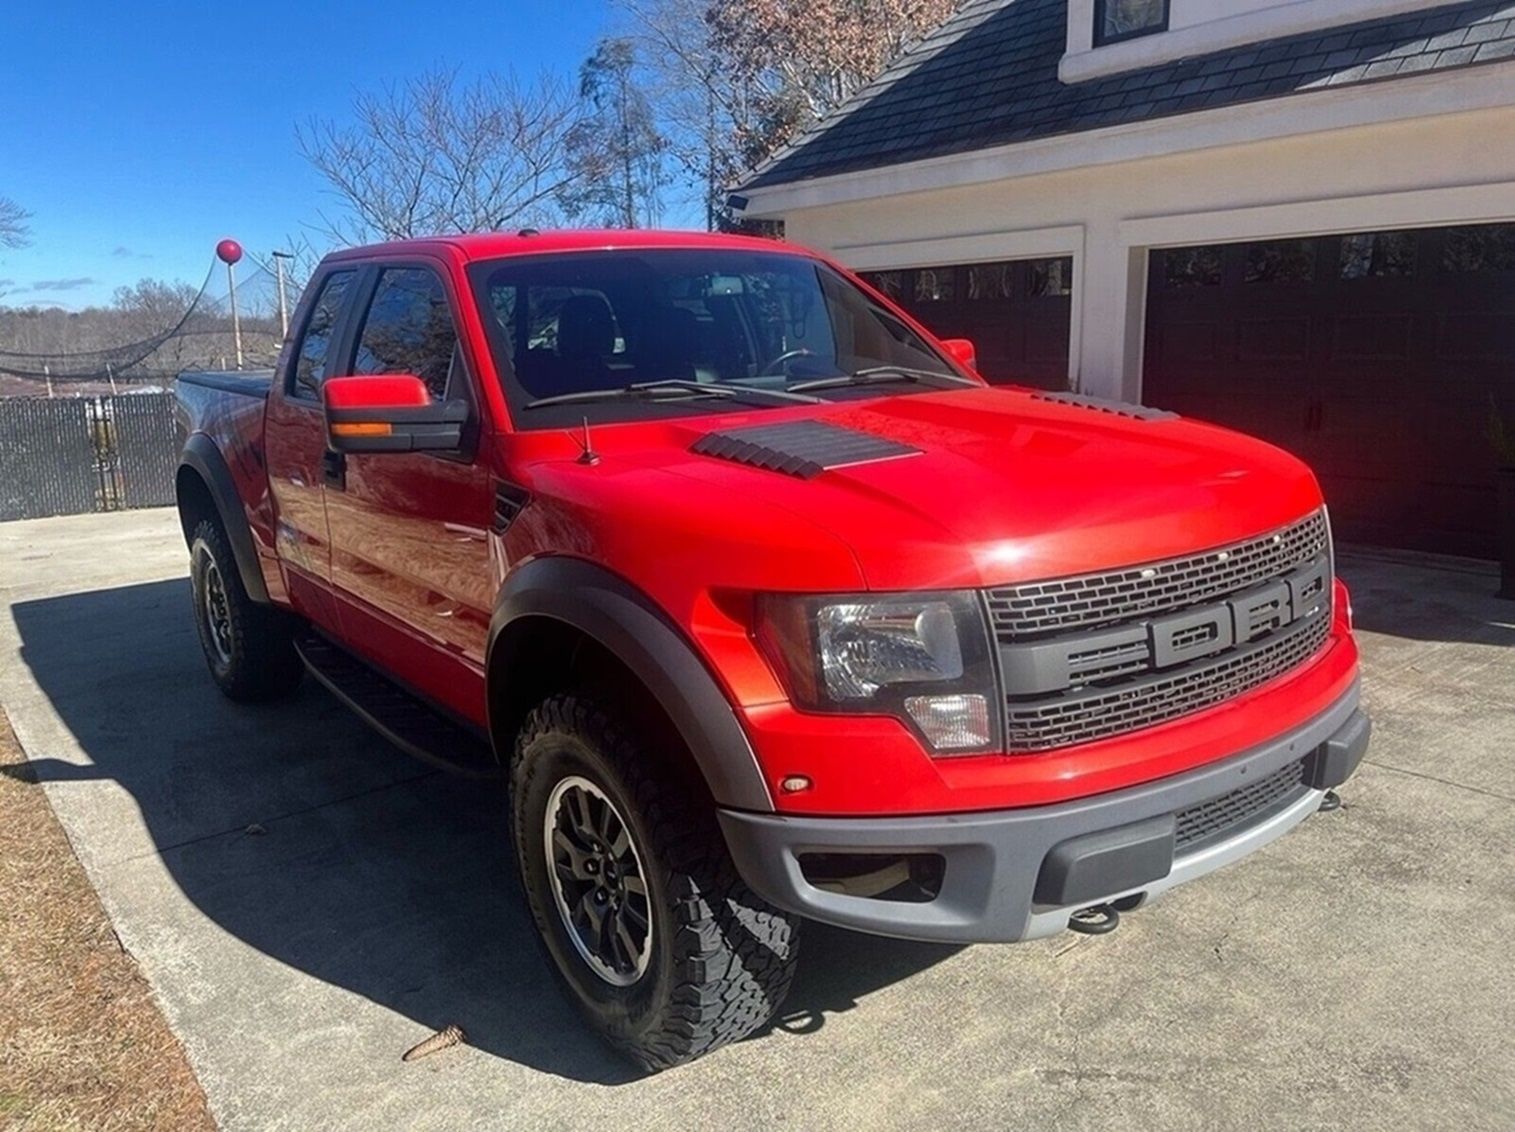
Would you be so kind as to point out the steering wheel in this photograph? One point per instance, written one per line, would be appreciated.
(775, 368)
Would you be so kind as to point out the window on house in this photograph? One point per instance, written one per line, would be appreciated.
(1193, 267)
(1367, 254)
(1115, 20)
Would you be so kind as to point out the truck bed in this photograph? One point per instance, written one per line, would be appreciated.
(248, 383)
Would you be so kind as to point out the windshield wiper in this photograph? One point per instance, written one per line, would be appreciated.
(881, 375)
(678, 388)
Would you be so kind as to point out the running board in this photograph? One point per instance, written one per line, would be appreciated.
(395, 713)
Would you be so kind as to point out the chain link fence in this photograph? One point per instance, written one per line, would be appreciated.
(73, 455)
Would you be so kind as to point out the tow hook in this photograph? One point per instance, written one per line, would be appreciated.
(1097, 919)
(1331, 801)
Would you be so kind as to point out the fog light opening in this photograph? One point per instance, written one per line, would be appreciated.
(908, 878)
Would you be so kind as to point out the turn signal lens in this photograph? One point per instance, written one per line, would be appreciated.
(952, 723)
(361, 428)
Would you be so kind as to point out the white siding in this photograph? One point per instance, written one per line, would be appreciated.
(1454, 168)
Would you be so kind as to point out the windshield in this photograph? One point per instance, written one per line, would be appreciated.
(729, 319)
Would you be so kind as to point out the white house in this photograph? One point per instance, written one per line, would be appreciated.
(1294, 218)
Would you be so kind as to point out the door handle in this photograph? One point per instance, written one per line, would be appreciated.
(334, 469)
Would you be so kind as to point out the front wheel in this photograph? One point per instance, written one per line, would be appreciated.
(659, 942)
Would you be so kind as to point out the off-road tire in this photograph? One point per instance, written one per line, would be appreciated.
(721, 958)
(252, 657)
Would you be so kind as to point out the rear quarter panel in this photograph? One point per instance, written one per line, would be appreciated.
(227, 409)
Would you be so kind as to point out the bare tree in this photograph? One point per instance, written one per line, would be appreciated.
(14, 231)
(617, 148)
(812, 55)
(740, 78)
(432, 155)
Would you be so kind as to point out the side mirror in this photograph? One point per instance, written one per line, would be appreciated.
(961, 351)
(390, 413)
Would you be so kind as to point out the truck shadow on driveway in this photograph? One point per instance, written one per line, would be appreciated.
(306, 836)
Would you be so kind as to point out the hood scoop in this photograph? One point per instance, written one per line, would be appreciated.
(1106, 405)
(800, 448)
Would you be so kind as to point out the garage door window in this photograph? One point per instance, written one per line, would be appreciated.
(935, 285)
(1489, 247)
(1017, 312)
(891, 283)
(1280, 261)
(1192, 267)
(990, 281)
(1366, 255)
(1049, 277)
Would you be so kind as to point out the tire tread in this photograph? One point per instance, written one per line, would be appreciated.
(734, 954)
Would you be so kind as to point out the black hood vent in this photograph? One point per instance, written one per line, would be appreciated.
(1106, 405)
(800, 448)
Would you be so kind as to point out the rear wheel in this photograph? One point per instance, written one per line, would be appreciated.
(249, 648)
(659, 942)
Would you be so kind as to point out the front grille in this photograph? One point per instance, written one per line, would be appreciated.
(1089, 713)
(1090, 600)
(1221, 817)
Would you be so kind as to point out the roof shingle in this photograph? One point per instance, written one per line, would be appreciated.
(988, 77)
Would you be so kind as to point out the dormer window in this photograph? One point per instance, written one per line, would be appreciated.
(1117, 20)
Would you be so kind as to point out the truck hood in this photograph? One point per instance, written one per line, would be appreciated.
(1008, 486)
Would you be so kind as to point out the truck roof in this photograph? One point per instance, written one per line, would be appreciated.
(529, 241)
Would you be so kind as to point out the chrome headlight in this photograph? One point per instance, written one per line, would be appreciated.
(923, 658)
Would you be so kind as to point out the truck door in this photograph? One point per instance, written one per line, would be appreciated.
(294, 441)
(410, 531)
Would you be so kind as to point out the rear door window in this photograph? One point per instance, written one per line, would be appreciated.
(315, 342)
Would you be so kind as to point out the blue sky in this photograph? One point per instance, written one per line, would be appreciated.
(138, 134)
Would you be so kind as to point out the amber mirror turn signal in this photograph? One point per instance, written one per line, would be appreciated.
(390, 413)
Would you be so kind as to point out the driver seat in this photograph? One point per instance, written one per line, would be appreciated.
(586, 337)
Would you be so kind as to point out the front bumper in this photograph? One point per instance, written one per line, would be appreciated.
(1019, 874)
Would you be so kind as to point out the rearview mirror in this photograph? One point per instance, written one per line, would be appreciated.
(961, 351)
(390, 413)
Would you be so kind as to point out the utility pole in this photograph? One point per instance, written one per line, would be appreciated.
(279, 258)
(229, 252)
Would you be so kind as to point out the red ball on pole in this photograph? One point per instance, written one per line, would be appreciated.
(228, 251)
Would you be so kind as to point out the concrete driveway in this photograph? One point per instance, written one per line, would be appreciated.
(308, 903)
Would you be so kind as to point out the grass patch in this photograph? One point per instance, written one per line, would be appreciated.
(82, 1043)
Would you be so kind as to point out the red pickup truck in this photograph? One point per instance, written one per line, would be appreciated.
(765, 605)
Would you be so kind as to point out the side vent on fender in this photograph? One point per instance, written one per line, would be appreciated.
(509, 501)
(1107, 405)
(800, 448)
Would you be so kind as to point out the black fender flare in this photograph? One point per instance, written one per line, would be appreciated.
(202, 457)
(609, 610)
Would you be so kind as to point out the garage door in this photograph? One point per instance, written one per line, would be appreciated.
(1016, 312)
(1379, 357)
